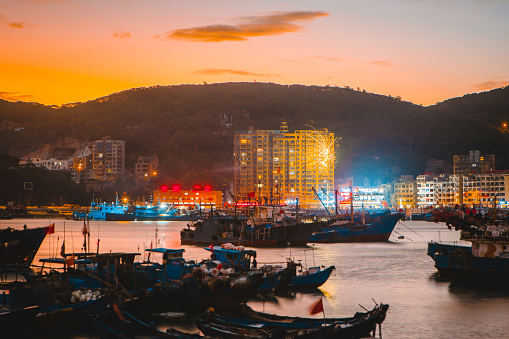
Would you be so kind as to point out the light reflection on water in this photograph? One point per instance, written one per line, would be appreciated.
(398, 273)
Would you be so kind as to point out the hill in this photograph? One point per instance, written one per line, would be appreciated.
(381, 136)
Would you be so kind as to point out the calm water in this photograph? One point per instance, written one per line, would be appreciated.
(398, 273)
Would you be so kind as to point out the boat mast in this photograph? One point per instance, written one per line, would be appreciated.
(351, 201)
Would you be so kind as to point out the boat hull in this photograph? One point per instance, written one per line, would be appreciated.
(312, 280)
(375, 231)
(19, 247)
(457, 262)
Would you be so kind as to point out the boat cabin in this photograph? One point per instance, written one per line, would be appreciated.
(242, 259)
(173, 266)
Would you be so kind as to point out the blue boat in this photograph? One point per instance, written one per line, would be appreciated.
(375, 230)
(274, 277)
(162, 212)
(312, 278)
(244, 260)
(98, 210)
(173, 267)
(487, 259)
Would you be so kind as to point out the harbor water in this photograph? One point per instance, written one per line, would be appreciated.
(398, 273)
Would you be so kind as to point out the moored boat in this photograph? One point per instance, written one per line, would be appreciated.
(115, 323)
(362, 324)
(19, 247)
(375, 230)
(219, 230)
(486, 259)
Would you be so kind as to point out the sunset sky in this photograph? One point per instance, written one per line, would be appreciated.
(64, 51)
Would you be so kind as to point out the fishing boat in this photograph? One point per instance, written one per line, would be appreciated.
(98, 210)
(162, 212)
(19, 247)
(173, 267)
(217, 230)
(275, 276)
(115, 323)
(240, 259)
(487, 257)
(375, 230)
(313, 277)
(17, 322)
(70, 314)
(362, 324)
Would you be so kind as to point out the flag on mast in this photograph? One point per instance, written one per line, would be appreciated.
(316, 307)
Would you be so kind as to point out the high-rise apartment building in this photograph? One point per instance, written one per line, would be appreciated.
(277, 166)
(108, 158)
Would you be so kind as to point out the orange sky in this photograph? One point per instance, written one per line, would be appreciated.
(63, 51)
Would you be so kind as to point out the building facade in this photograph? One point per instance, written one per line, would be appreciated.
(108, 158)
(202, 198)
(146, 167)
(278, 166)
(404, 192)
(49, 164)
(473, 162)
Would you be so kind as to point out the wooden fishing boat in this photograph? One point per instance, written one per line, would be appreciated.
(360, 325)
(223, 330)
(116, 324)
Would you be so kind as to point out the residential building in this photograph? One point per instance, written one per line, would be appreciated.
(49, 164)
(473, 162)
(279, 166)
(146, 167)
(108, 158)
(404, 192)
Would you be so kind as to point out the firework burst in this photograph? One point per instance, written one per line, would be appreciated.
(322, 150)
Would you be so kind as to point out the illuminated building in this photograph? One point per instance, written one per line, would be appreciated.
(469, 190)
(146, 167)
(404, 192)
(108, 158)
(474, 162)
(276, 166)
(198, 196)
(49, 164)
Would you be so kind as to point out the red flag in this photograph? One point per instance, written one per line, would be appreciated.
(317, 307)
(117, 310)
(51, 229)
(251, 195)
(70, 261)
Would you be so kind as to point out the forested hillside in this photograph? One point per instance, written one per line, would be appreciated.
(190, 127)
